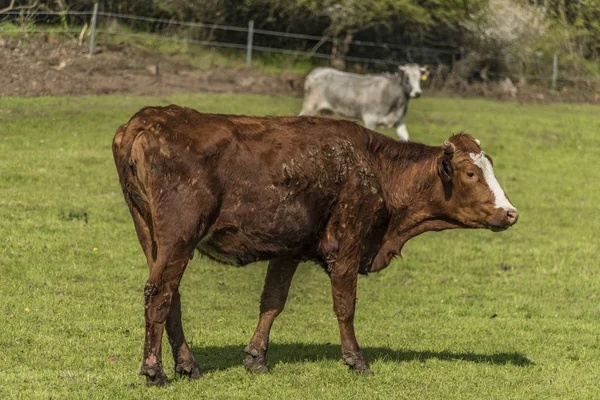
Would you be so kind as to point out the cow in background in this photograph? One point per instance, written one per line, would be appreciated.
(376, 99)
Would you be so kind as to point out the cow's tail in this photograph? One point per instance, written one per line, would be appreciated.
(128, 147)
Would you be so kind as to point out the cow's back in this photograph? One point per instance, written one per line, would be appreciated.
(174, 128)
(352, 95)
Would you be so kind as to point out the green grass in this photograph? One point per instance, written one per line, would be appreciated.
(69, 255)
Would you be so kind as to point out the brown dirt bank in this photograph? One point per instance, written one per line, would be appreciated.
(36, 65)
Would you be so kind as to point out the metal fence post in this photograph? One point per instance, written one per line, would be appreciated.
(94, 17)
(249, 46)
(554, 71)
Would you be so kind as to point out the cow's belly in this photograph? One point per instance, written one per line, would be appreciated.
(345, 103)
(230, 246)
(214, 249)
(342, 110)
(346, 111)
(389, 121)
(265, 230)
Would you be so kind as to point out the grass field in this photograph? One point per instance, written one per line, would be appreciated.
(72, 272)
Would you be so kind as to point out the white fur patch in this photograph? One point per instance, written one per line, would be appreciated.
(402, 132)
(488, 174)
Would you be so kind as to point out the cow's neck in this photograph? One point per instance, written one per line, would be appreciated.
(407, 172)
(412, 191)
(398, 79)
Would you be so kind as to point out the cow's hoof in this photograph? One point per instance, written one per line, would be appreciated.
(153, 372)
(357, 363)
(155, 377)
(365, 371)
(255, 361)
(189, 370)
(255, 366)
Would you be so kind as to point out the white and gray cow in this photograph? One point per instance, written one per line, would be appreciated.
(376, 99)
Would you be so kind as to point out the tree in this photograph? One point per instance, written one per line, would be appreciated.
(348, 17)
(14, 6)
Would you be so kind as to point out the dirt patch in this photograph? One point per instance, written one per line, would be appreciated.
(41, 66)
(449, 85)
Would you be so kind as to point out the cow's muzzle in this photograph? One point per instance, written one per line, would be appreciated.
(504, 220)
(512, 216)
(415, 95)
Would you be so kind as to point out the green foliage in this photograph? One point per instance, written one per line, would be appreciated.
(432, 19)
(72, 292)
(579, 22)
(23, 23)
(352, 16)
(521, 40)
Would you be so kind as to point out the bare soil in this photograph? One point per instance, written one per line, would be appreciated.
(41, 66)
(36, 65)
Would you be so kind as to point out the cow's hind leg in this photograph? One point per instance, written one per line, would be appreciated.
(159, 293)
(172, 245)
(185, 363)
(308, 108)
(152, 360)
(274, 295)
(313, 103)
(370, 121)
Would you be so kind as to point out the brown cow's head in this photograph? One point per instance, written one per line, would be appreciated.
(473, 196)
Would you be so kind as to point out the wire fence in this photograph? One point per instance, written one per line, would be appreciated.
(412, 53)
(307, 46)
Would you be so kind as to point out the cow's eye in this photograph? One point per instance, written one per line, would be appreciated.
(470, 174)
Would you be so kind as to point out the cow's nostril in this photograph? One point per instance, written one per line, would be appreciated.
(512, 216)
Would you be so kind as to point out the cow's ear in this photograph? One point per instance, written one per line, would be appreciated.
(445, 168)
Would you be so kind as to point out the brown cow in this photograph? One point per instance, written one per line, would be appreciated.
(286, 189)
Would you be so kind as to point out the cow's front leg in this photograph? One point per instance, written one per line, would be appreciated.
(274, 295)
(343, 287)
(402, 132)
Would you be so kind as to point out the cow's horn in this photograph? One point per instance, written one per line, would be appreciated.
(448, 148)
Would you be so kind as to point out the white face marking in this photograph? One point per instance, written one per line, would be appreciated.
(488, 174)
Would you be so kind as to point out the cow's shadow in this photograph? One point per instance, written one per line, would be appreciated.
(223, 357)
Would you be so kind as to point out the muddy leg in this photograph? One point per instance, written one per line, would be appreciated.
(151, 363)
(155, 313)
(274, 295)
(159, 292)
(185, 363)
(343, 287)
